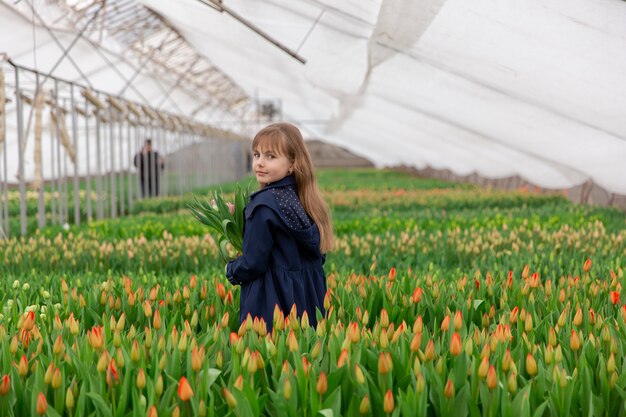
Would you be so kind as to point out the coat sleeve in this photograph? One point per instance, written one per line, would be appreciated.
(257, 246)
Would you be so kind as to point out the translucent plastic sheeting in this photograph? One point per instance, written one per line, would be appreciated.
(529, 87)
(535, 88)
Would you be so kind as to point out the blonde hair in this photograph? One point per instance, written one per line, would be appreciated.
(287, 140)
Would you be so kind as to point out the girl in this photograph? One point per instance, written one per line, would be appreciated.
(287, 231)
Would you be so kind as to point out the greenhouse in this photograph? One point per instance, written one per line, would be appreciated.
(303, 208)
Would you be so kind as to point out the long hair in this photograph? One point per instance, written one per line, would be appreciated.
(287, 140)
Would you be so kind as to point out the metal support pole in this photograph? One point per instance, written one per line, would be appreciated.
(20, 140)
(99, 200)
(41, 204)
(112, 176)
(122, 164)
(129, 176)
(57, 115)
(65, 178)
(87, 160)
(76, 159)
(5, 188)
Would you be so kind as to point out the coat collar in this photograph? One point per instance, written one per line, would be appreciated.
(288, 180)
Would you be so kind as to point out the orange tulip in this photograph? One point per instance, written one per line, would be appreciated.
(416, 342)
(455, 344)
(230, 399)
(112, 374)
(384, 318)
(343, 357)
(614, 296)
(42, 404)
(483, 368)
(322, 384)
(353, 332)
(29, 321)
(95, 336)
(448, 391)
(417, 295)
(392, 274)
(574, 341)
(156, 320)
(383, 364)
(445, 324)
(184, 389)
(531, 365)
(587, 265)
(221, 291)
(22, 367)
(152, 412)
(458, 320)
(492, 378)
(5, 385)
(388, 402)
(141, 379)
(429, 352)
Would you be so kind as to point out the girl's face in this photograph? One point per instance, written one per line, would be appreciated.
(270, 166)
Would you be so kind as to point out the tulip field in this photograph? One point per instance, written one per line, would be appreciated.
(443, 300)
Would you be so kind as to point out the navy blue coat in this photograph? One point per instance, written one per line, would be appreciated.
(281, 262)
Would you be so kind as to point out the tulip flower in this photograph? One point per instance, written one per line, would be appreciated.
(69, 398)
(384, 318)
(343, 357)
(29, 321)
(112, 376)
(184, 389)
(322, 384)
(392, 274)
(57, 379)
(383, 364)
(456, 345)
(287, 389)
(95, 336)
(230, 399)
(448, 391)
(353, 332)
(574, 341)
(358, 373)
(417, 295)
(42, 404)
(364, 407)
(5, 385)
(388, 402)
(531, 365)
(587, 265)
(492, 378)
(152, 412)
(458, 320)
(22, 367)
(141, 379)
(445, 323)
(614, 297)
(511, 382)
(483, 368)
(429, 352)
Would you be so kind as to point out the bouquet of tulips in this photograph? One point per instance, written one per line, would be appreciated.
(224, 218)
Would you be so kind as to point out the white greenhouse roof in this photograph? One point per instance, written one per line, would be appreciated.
(535, 88)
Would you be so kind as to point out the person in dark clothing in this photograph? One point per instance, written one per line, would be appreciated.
(287, 232)
(149, 164)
